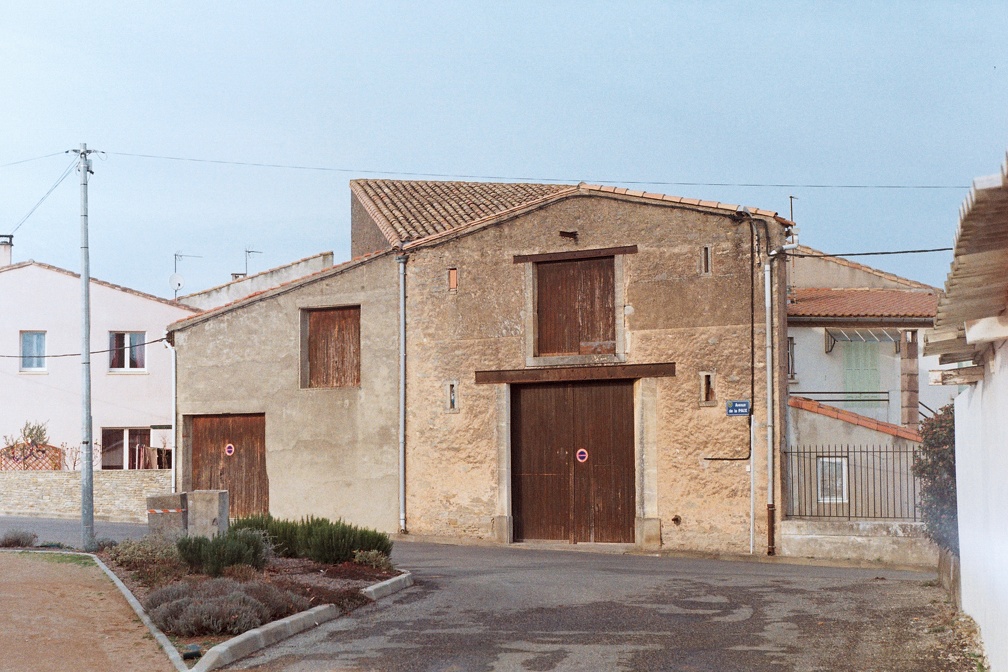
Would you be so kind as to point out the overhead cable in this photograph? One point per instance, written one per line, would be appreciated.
(365, 171)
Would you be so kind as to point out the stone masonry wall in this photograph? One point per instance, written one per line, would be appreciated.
(119, 496)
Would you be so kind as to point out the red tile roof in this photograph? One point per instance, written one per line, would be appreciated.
(411, 211)
(854, 418)
(415, 209)
(882, 303)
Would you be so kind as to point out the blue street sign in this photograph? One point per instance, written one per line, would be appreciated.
(737, 407)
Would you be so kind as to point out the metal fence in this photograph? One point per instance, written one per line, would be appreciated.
(851, 482)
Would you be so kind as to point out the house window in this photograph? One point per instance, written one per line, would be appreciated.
(33, 350)
(330, 347)
(705, 261)
(129, 448)
(831, 479)
(707, 395)
(575, 307)
(127, 350)
(452, 279)
(790, 358)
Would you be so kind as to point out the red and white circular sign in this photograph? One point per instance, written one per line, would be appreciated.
(229, 449)
(582, 455)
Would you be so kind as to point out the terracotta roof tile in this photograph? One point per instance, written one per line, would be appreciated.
(891, 303)
(849, 417)
(411, 211)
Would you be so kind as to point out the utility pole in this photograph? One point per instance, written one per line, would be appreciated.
(87, 464)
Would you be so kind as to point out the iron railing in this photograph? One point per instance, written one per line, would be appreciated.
(853, 482)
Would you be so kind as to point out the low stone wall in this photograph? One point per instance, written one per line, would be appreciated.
(119, 496)
(889, 543)
(948, 574)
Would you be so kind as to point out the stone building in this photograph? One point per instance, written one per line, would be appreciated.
(505, 361)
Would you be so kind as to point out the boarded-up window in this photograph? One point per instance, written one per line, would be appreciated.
(576, 311)
(331, 340)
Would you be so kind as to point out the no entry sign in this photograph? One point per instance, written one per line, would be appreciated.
(229, 449)
(582, 455)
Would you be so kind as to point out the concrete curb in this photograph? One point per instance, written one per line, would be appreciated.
(249, 642)
(389, 586)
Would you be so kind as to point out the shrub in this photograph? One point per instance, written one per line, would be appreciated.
(935, 467)
(105, 543)
(219, 606)
(375, 559)
(240, 573)
(18, 539)
(154, 559)
(235, 547)
(317, 538)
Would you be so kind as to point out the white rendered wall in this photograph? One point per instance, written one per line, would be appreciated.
(981, 475)
(37, 298)
(817, 371)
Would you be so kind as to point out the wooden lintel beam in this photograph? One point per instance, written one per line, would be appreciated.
(562, 374)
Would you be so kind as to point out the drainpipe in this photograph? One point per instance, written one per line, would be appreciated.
(174, 413)
(767, 299)
(401, 260)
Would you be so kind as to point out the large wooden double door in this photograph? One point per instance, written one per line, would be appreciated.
(572, 461)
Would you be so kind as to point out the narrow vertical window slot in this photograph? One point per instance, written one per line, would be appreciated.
(705, 261)
(452, 279)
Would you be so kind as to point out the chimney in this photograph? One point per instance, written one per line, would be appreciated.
(6, 245)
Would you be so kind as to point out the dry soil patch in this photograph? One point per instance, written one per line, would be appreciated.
(60, 612)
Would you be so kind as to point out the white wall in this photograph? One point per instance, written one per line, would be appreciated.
(37, 298)
(818, 371)
(981, 475)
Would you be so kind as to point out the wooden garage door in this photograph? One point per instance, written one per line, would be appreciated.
(243, 472)
(556, 496)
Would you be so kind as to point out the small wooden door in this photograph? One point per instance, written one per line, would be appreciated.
(557, 493)
(229, 453)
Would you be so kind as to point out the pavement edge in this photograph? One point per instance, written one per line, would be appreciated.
(249, 642)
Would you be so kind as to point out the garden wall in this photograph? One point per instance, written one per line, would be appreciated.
(119, 496)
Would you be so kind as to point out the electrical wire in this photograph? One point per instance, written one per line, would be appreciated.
(871, 254)
(36, 158)
(77, 354)
(69, 169)
(364, 171)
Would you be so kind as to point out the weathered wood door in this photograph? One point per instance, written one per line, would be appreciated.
(242, 472)
(557, 494)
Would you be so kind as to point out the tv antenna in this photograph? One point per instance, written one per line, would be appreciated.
(248, 253)
(176, 281)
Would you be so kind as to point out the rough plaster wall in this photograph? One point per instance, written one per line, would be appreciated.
(329, 452)
(810, 272)
(699, 322)
(365, 236)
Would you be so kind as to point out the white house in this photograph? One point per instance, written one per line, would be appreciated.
(131, 367)
(855, 400)
(971, 329)
(853, 339)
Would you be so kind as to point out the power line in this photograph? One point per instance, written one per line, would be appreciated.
(77, 354)
(872, 254)
(69, 169)
(35, 158)
(365, 171)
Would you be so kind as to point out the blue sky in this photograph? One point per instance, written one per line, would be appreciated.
(677, 97)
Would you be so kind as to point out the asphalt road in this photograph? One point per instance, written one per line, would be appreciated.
(68, 531)
(478, 608)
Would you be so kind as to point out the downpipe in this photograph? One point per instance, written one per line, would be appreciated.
(401, 260)
(768, 303)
